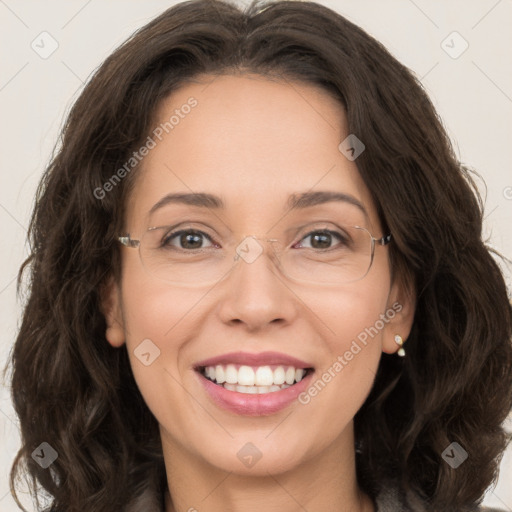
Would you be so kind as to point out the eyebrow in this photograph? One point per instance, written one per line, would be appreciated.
(295, 201)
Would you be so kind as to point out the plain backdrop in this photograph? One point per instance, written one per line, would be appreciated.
(467, 74)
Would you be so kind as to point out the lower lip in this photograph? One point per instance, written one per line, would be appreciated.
(254, 405)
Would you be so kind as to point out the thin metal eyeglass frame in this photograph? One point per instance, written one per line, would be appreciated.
(383, 241)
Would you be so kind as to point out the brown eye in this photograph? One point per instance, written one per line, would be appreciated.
(186, 239)
(322, 239)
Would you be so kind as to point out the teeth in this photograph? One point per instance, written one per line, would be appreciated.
(219, 375)
(231, 374)
(246, 376)
(254, 390)
(262, 378)
(279, 376)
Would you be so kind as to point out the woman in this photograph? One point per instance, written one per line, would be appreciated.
(256, 282)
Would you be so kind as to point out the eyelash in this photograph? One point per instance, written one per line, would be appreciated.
(176, 234)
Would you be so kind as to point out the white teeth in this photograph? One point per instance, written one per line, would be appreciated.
(264, 376)
(246, 376)
(251, 390)
(262, 379)
(254, 390)
(231, 374)
(290, 375)
(279, 376)
(219, 376)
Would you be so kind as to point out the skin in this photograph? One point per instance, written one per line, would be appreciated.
(254, 142)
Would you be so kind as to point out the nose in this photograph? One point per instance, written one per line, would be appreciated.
(255, 293)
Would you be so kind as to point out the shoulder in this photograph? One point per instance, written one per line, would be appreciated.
(148, 501)
(393, 499)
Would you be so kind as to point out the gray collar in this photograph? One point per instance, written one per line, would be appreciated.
(390, 499)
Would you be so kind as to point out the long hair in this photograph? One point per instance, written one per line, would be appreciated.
(74, 391)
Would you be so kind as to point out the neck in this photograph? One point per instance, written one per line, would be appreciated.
(325, 482)
(364, 504)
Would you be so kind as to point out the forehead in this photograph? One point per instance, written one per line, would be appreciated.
(250, 140)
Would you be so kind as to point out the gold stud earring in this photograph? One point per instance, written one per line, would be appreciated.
(399, 341)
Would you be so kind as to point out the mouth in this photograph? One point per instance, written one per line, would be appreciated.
(254, 380)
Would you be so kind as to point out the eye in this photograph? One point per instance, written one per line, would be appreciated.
(322, 239)
(187, 239)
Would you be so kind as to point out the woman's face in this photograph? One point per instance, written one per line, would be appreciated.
(253, 143)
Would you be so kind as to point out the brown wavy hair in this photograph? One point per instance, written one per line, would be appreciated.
(72, 389)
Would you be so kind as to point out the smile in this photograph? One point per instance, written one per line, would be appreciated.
(254, 379)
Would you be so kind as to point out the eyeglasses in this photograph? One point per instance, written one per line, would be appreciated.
(322, 257)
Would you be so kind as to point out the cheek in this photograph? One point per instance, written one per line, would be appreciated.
(355, 311)
(355, 319)
(153, 309)
(352, 347)
(355, 332)
(158, 320)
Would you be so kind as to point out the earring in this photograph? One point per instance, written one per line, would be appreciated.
(399, 341)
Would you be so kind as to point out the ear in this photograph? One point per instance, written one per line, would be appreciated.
(400, 313)
(111, 308)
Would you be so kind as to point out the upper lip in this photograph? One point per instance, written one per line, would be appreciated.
(248, 359)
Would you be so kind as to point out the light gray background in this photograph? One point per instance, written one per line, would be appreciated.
(473, 95)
